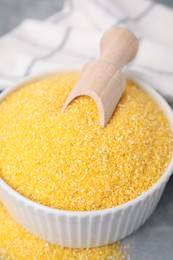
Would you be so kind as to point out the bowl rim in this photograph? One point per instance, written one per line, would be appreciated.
(163, 105)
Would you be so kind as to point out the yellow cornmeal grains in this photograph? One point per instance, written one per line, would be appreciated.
(17, 244)
(66, 160)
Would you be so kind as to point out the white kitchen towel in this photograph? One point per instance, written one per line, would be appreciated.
(71, 37)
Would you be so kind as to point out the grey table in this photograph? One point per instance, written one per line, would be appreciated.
(154, 241)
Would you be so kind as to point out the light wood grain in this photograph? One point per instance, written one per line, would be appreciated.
(102, 79)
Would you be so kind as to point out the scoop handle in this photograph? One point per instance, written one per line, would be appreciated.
(118, 47)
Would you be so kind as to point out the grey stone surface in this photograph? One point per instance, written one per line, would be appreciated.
(169, 3)
(13, 12)
(154, 240)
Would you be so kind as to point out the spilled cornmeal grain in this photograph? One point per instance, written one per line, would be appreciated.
(66, 160)
(17, 244)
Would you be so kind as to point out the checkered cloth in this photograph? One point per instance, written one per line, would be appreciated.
(71, 37)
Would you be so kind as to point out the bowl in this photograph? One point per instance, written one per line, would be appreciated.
(90, 228)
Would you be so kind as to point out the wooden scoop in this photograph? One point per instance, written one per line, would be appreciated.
(102, 79)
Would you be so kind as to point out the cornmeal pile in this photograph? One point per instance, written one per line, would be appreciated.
(66, 160)
(17, 244)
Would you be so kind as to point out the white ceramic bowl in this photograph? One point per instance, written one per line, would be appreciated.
(90, 228)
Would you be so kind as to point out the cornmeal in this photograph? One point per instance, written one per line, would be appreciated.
(66, 160)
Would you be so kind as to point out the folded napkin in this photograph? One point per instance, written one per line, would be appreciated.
(71, 37)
